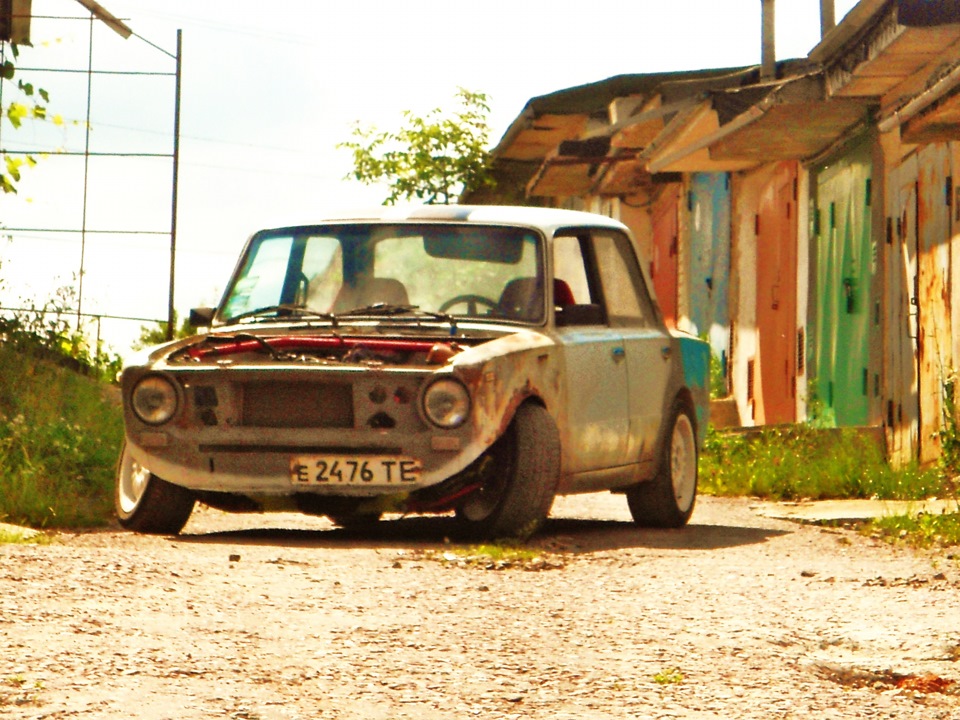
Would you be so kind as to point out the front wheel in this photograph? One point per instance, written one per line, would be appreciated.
(355, 521)
(667, 500)
(146, 503)
(522, 482)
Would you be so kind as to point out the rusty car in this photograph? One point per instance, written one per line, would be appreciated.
(470, 360)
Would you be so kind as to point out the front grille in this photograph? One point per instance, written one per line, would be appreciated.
(297, 405)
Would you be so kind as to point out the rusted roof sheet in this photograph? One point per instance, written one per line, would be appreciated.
(627, 177)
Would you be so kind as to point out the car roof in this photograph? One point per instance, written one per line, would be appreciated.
(547, 219)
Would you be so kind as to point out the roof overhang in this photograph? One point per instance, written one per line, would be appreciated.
(738, 130)
(888, 49)
(606, 161)
(932, 116)
(541, 135)
(549, 119)
(938, 124)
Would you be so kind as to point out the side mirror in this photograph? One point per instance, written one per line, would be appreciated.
(202, 317)
(579, 315)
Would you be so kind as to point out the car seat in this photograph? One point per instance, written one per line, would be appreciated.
(370, 291)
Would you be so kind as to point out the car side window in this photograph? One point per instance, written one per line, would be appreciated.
(260, 282)
(627, 300)
(569, 265)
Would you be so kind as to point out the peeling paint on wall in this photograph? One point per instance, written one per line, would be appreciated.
(708, 206)
(776, 229)
(901, 408)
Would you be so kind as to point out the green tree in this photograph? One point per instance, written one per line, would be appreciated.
(430, 158)
(157, 333)
(29, 103)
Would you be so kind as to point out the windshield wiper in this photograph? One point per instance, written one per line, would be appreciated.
(379, 309)
(284, 312)
(391, 310)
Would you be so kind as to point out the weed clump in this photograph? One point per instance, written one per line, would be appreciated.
(802, 462)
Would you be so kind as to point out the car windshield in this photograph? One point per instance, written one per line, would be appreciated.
(390, 271)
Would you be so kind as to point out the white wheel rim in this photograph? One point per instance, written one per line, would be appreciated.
(132, 483)
(683, 463)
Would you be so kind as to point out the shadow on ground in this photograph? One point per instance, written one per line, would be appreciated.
(560, 535)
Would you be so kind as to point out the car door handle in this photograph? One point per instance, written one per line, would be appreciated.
(665, 352)
(619, 354)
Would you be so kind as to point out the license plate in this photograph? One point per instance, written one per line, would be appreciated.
(353, 470)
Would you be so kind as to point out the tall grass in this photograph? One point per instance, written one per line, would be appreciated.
(60, 434)
(802, 462)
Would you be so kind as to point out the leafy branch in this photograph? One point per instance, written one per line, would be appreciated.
(31, 103)
(430, 158)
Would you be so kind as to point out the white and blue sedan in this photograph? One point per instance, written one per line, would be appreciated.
(473, 360)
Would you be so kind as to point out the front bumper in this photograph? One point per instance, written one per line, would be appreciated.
(239, 430)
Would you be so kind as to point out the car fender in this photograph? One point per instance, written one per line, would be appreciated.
(504, 373)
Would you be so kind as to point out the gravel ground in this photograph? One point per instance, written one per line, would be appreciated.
(263, 617)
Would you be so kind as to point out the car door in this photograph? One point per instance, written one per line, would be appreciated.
(594, 417)
(648, 346)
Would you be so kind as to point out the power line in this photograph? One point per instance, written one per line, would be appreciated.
(167, 134)
(181, 19)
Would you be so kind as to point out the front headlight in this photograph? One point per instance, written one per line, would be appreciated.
(446, 403)
(154, 400)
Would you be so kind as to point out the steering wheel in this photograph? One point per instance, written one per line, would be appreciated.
(471, 301)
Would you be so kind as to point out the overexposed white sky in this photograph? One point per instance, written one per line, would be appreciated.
(269, 89)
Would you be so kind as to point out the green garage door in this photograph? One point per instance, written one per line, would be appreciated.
(844, 269)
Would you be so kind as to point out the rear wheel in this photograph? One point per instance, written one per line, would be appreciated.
(148, 504)
(518, 493)
(668, 499)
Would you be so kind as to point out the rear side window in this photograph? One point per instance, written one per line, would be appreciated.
(570, 266)
(625, 293)
(601, 268)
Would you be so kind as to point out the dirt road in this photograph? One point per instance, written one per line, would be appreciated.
(736, 616)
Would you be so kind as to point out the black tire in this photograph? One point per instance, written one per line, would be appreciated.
(356, 521)
(148, 504)
(519, 493)
(667, 501)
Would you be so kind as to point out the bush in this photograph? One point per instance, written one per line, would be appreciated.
(60, 435)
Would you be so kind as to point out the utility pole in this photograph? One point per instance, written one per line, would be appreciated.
(828, 17)
(768, 50)
(171, 312)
